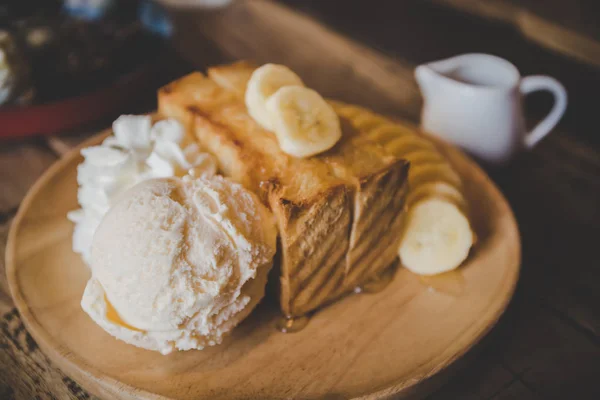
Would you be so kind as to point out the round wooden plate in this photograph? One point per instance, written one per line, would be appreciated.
(366, 345)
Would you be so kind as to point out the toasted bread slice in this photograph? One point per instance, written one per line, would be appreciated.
(339, 213)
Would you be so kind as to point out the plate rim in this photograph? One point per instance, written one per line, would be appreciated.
(75, 367)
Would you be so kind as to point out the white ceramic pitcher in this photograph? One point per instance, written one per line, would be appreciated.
(475, 101)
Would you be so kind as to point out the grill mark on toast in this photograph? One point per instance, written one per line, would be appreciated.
(365, 237)
(363, 275)
(361, 266)
(382, 206)
(332, 287)
(396, 217)
(312, 296)
(299, 272)
(292, 287)
(331, 291)
(374, 203)
(380, 195)
(370, 243)
(303, 280)
(336, 244)
(320, 218)
(379, 219)
(366, 267)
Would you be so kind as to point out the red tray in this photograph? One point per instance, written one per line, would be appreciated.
(72, 112)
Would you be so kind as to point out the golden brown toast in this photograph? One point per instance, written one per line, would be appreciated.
(339, 213)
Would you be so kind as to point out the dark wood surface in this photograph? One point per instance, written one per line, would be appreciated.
(547, 345)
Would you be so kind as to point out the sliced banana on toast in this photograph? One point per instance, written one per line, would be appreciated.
(437, 234)
(304, 123)
(263, 83)
(437, 189)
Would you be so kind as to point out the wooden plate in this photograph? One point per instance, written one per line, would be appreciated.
(371, 345)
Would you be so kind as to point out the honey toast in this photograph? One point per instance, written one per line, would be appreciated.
(339, 213)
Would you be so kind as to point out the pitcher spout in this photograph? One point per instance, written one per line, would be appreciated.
(427, 79)
(432, 73)
(468, 70)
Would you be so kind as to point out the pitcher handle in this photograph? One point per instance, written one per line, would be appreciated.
(539, 82)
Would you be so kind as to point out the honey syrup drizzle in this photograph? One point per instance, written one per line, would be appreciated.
(291, 324)
(287, 324)
(451, 283)
(378, 282)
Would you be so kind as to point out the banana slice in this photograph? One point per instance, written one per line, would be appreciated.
(419, 174)
(437, 189)
(408, 143)
(304, 123)
(265, 81)
(437, 234)
(425, 156)
(437, 237)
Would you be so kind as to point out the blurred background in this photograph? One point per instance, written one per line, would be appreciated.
(88, 59)
(64, 63)
(68, 68)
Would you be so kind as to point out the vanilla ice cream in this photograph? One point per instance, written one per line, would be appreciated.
(136, 152)
(177, 263)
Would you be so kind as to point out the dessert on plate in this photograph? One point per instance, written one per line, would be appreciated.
(184, 235)
(340, 212)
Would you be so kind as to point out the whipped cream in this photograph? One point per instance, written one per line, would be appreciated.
(178, 263)
(137, 151)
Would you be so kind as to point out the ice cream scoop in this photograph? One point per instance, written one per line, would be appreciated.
(177, 263)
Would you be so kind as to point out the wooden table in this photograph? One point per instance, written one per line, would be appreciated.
(547, 345)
